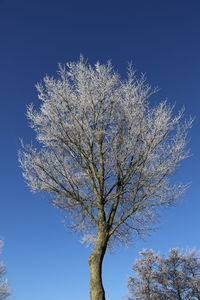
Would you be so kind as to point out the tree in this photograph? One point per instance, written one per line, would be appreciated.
(4, 291)
(192, 267)
(176, 277)
(145, 287)
(106, 154)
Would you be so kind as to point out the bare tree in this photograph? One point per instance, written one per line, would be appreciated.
(146, 284)
(176, 277)
(145, 287)
(175, 282)
(106, 154)
(192, 267)
(4, 290)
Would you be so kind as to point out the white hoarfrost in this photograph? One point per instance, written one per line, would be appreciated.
(106, 152)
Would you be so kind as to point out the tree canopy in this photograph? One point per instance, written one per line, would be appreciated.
(104, 147)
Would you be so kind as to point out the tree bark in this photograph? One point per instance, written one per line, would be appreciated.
(95, 263)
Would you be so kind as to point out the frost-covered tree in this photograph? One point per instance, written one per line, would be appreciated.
(144, 286)
(192, 267)
(176, 277)
(106, 154)
(175, 282)
(4, 290)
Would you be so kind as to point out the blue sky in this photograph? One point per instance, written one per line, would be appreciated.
(161, 38)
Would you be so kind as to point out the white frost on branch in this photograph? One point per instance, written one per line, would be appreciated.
(106, 152)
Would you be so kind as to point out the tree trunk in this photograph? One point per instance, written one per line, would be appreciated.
(95, 262)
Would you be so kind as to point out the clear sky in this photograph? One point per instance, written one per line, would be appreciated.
(161, 38)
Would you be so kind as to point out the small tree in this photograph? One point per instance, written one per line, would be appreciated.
(106, 156)
(145, 287)
(4, 291)
(176, 277)
(175, 282)
(192, 267)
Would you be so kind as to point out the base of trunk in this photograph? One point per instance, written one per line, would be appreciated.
(96, 286)
(97, 295)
